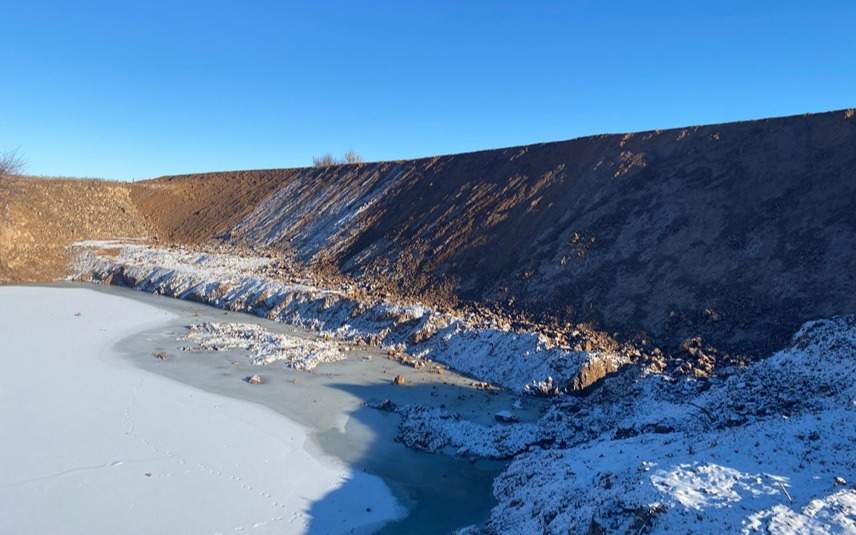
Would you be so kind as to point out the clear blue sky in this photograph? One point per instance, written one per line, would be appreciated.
(123, 89)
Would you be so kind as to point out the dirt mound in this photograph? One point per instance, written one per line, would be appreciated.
(190, 208)
(736, 233)
(39, 218)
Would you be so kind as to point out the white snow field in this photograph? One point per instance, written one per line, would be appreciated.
(91, 444)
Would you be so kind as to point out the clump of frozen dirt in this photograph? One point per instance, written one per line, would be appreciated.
(433, 429)
(264, 346)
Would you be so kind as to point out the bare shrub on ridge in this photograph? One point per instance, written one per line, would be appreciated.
(327, 160)
(11, 163)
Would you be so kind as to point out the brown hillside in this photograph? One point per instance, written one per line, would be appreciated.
(40, 218)
(736, 232)
(191, 208)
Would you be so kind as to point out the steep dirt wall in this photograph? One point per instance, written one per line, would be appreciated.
(192, 208)
(736, 232)
(39, 218)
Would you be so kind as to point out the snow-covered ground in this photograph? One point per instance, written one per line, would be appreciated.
(91, 444)
(238, 282)
(770, 449)
(767, 448)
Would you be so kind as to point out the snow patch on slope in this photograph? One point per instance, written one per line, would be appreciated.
(312, 221)
(830, 514)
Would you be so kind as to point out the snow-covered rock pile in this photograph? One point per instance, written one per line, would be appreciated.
(238, 282)
(770, 448)
(765, 450)
(432, 429)
(264, 346)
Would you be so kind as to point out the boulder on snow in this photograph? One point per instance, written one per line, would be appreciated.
(594, 369)
(117, 278)
(385, 405)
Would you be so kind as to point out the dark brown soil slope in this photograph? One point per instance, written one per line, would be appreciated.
(736, 232)
(190, 208)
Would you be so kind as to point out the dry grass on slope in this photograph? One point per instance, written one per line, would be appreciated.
(39, 218)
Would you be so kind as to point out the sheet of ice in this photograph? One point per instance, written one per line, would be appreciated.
(91, 444)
